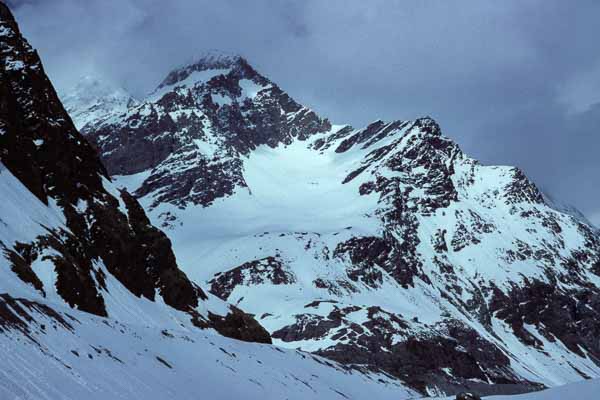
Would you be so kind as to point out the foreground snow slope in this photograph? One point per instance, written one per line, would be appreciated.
(384, 246)
(586, 390)
(72, 355)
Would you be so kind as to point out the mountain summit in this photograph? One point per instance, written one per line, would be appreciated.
(190, 133)
(94, 98)
(213, 60)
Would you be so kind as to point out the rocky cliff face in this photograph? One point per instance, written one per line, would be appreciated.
(172, 132)
(99, 234)
(383, 246)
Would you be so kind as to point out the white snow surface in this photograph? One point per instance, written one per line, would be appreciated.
(144, 349)
(100, 358)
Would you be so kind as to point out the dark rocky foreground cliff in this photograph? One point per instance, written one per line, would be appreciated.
(105, 231)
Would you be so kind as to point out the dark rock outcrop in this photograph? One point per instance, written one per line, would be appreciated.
(105, 231)
(241, 326)
(570, 316)
(467, 396)
(269, 270)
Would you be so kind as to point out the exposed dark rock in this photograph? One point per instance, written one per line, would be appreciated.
(21, 257)
(522, 189)
(165, 363)
(439, 241)
(324, 143)
(368, 256)
(19, 313)
(266, 270)
(312, 326)
(448, 361)
(467, 396)
(363, 135)
(337, 287)
(571, 316)
(239, 325)
(454, 357)
(469, 229)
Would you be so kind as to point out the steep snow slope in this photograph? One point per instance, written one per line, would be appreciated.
(25, 219)
(145, 350)
(145, 363)
(385, 246)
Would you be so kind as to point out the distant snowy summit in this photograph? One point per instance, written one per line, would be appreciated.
(383, 246)
(212, 60)
(94, 98)
(196, 126)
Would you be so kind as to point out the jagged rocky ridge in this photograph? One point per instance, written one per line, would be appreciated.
(97, 233)
(384, 246)
(168, 134)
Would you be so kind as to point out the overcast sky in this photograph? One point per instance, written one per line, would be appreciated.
(513, 82)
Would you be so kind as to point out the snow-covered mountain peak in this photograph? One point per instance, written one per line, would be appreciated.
(212, 59)
(94, 98)
(384, 245)
(200, 122)
(205, 67)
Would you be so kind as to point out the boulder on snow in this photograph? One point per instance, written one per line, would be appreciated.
(467, 396)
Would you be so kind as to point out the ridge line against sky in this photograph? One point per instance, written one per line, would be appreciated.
(513, 82)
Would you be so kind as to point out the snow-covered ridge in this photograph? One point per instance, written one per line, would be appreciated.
(384, 245)
(210, 60)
